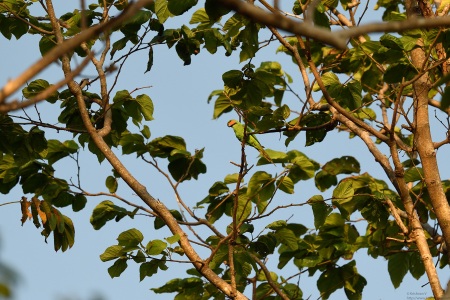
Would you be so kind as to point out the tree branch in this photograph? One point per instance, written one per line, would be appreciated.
(15, 105)
(68, 45)
(132, 182)
(336, 39)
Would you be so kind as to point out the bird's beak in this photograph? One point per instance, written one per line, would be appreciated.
(231, 123)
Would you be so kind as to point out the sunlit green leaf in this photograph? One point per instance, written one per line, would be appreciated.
(286, 185)
(131, 237)
(155, 247)
(162, 10)
(111, 253)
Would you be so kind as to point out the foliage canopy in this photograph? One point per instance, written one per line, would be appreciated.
(377, 88)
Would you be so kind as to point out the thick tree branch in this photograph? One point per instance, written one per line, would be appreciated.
(424, 142)
(259, 15)
(15, 105)
(132, 182)
(417, 232)
(397, 179)
(336, 39)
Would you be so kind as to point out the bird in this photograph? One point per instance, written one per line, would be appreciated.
(251, 139)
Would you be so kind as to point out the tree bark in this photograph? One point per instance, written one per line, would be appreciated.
(423, 140)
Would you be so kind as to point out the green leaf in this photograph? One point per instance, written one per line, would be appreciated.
(121, 4)
(321, 19)
(79, 202)
(64, 236)
(324, 181)
(122, 95)
(183, 51)
(200, 16)
(112, 252)
(117, 268)
(265, 244)
(414, 174)
(57, 150)
(343, 165)
(333, 220)
(398, 266)
(244, 207)
(329, 281)
(409, 42)
(106, 211)
(231, 178)
(277, 156)
(257, 181)
(139, 257)
(13, 26)
(287, 237)
(146, 132)
(37, 86)
(250, 45)
(163, 146)
(5, 290)
(155, 247)
(343, 191)
(263, 290)
(222, 105)
(286, 184)
(355, 89)
(46, 44)
(343, 198)
(233, 78)
(398, 72)
(173, 239)
(148, 269)
(445, 101)
(320, 210)
(146, 105)
(150, 60)
(328, 79)
(162, 10)
(118, 45)
(277, 225)
(213, 39)
(215, 10)
(131, 237)
(261, 276)
(178, 7)
(391, 42)
(292, 291)
(112, 184)
(218, 188)
(302, 167)
(354, 283)
(183, 166)
(416, 266)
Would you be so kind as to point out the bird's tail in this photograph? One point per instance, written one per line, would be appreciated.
(265, 155)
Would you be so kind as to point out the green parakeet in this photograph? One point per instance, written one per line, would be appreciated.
(251, 139)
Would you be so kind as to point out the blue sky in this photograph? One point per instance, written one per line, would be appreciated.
(180, 96)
